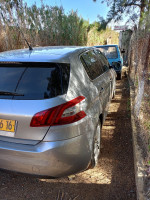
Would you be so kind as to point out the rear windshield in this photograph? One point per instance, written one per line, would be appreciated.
(33, 80)
(110, 52)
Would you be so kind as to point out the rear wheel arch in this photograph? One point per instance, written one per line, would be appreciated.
(96, 143)
(96, 146)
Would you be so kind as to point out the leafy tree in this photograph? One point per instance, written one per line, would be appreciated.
(43, 26)
(134, 9)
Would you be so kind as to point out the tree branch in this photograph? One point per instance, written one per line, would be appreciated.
(132, 4)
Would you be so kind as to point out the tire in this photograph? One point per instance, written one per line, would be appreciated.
(119, 76)
(96, 147)
(113, 95)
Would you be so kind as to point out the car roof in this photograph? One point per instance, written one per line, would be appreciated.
(108, 45)
(42, 54)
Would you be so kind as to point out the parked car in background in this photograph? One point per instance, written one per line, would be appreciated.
(54, 101)
(114, 57)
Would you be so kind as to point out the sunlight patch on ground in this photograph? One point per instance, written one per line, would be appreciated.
(107, 127)
(116, 106)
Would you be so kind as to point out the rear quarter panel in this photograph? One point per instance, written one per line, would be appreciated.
(80, 85)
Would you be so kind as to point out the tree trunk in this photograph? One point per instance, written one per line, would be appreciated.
(142, 8)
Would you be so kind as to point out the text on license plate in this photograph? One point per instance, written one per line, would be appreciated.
(7, 125)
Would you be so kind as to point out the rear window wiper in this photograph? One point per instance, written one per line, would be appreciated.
(6, 93)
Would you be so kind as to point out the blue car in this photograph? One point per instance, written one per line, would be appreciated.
(114, 57)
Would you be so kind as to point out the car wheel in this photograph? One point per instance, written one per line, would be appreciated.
(113, 95)
(96, 146)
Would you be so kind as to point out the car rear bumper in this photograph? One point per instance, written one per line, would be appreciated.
(55, 159)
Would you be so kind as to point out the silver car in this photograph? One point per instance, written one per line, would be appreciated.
(53, 102)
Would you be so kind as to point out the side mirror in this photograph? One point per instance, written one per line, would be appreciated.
(123, 51)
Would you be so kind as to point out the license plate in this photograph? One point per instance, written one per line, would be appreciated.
(7, 125)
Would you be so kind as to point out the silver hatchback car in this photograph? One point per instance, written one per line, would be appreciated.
(53, 102)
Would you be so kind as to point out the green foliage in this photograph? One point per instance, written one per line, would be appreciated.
(136, 82)
(134, 9)
(43, 25)
(147, 124)
(46, 25)
(100, 37)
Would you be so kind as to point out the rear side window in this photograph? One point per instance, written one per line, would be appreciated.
(109, 51)
(103, 60)
(33, 80)
(91, 64)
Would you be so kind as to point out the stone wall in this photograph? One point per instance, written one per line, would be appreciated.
(139, 72)
(139, 64)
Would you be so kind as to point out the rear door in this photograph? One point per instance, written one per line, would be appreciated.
(26, 89)
(109, 76)
(96, 73)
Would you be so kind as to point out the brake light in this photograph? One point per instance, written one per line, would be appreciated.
(66, 113)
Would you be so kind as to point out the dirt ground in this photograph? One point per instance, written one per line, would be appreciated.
(112, 179)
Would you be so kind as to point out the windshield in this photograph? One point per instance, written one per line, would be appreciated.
(33, 80)
(109, 52)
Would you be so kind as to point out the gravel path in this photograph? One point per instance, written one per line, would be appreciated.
(112, 179)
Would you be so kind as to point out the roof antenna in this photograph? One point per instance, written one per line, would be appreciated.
(30, 47)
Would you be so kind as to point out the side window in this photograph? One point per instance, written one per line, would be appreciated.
(83, 58)
(103, 60)
(91, 64)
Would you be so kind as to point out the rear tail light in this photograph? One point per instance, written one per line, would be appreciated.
(66, 113)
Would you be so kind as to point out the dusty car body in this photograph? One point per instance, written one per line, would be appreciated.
(114, 57)
(53, 103)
